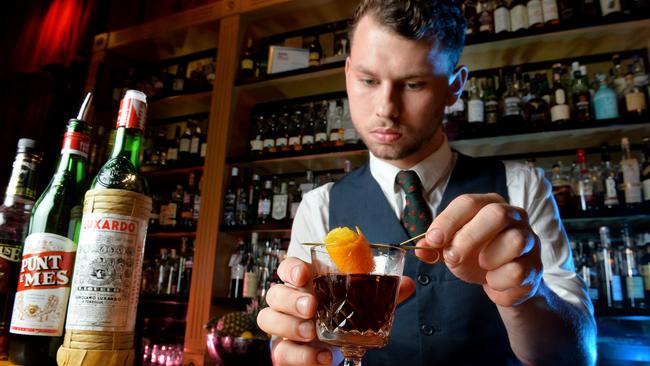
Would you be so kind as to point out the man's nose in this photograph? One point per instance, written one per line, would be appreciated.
(388, 102)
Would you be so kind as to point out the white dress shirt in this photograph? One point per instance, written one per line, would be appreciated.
(527, 188)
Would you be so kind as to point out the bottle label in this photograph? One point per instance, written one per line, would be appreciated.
(76, 143)
(335, 135)
(314, 58)
(519, 17)
(617, 289)
(23, 175)
(535, 11)
(264, 207)
(610, 6)
(321, 137)
(611, 196)
(43, 285)
(485, 22)
(635, 102)
(641, 80)
(501, 20)
(184, 146)
(491, 111)
(194, 145)
(280, 202)
(560, 96)
(257, 145)
(106, 283)
(247, 64)
(646, 190)
(475, 111)
(10, 254)
(605, 105)
(295, 140)
(350, 134)
(511, 106)
(307, 139)
(549, 8)
(196, 207)
(560, 112)
(634, 287)
(645, 272)
(204, 149)
(269, 143)
(250, 284)
(631, 181)
(281, 141)
(132, 114)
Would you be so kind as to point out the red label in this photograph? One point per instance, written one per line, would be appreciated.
(76, 143)
(46, 270)
(132, 114)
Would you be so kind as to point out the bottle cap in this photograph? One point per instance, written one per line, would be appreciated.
(136, 94)
(25, 143)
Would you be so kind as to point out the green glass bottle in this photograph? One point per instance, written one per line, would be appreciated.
(122, 170)
(49, 252)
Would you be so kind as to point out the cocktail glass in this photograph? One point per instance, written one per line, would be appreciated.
(355, 311)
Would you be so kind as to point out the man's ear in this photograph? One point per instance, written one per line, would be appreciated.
(456, 84)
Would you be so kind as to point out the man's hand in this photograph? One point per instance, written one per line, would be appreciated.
(290, 314)
(486, 241)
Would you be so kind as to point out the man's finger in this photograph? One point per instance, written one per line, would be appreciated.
(406, 288)
(458, 213)
(291, 301)
(507, 246)
(491, 220)
(286, 326)
(288, 353)
(294, 272)
(428, 256)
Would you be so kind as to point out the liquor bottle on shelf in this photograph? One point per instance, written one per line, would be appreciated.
(485, 10)
(535, 14)
(350, 135)
(294, 198)
(203, 149)
(469, 11)
(321, 137)
(15, 212)
(163, 270)
(562, 191)
(581, 96)
(253, 195)
(518, 15)
(491, 103)
(583, 185)
(187, 214)
(645, 169)
(501, 17)
(265, 203)
(257, 144)
(230, 199)
(550, 12)
(568, 10)
(241, 203)
(610, 275)
(634, 294)
(172, 277)
(295, 130)
(334, 122)
(617, 75)
(237, 270)
(251, 272)
(512, 115)
(590, 11)
(269, 134)
(611, 8)
(308, 128)
(309, 184)
(641, 78)
(179, 80)
(589, 272)
(184, 146)
(175, 207)
(315, 51)
(195, 145)
(172, 147)
(475, 108)
(631, 175)
(635, 100)
(247, 63)
(53, 233)
(609, 177)
(280, 203)
(197, 202)
(560, 113)
(282, 131)
(605, 100)
(187, 253)
(537, 109)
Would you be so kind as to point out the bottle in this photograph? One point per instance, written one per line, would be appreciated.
(611, 8)
(568, 10)
(469, 11)
(241, 205)
(188, 253)
(247, 63)
(268, 135)
(641, 78)
(350, 135)
(589, 11)
(264, 203)
(280, 203)
(512, 112)
(562, 191)
(187, 214)
(634, 296)
(282, 131)
(537, 109)
(631, 176)
(203, 150)
(251, 271)
(635, 103)
(518, 15)
(308, 128)
(485, 10)
(535, 14)
(197, 202)
(253, 198)
(605, 100)
(501, 18)
(14, 216)
(335, 126)
(609, 178)
(181, 281)
(257, 144)
(315, 51)
(295, 130)
(172, 278)
(589, 272)
(550, 12)
(237, 271)
(50, 249)
(162, 272)
(559, 108)
(581, 96)
(172, 147)
(321, 136)
(179, 81)
(475, 108)
(491, 103)
(294, 198)
(230, 199)
(645, 168)
(184, 146)
(195, 145)
(583, 184)
(611, 280)
(617, 81)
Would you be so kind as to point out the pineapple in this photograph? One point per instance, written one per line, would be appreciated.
(239, 324)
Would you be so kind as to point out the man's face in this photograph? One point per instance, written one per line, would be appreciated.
(398, 89)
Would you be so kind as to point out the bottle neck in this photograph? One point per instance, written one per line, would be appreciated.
(128, 144)
(22, 183)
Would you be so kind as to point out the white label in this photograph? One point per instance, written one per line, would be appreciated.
(250, 285)
(194, 145)
(519, 17)
(475, 111)
(350, 134)
(43, 285)
(646, 190)
(321, 136)
(184, 145)
(559, 112)
(501, 20)
(281, 141)
(511, 106)
(617, 289)
(264, 207)
(634, 287)
(635, 102)
(611, 196)
(535, 12)
(294, 140)
(610, 6)
(549, 8)
(106, 283)
(204, 149)
(307, 139)
(631, 181)
(280, 206)
(560, 96)
(268, 143)
(335, 136)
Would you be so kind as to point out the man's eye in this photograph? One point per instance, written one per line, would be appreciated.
(368, 82)
(414, 86)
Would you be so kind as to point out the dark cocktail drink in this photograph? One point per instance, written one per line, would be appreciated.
(355, 309)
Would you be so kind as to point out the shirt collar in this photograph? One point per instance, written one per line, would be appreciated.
(430, 170)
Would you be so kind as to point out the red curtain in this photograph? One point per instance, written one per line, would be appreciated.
(52, 33)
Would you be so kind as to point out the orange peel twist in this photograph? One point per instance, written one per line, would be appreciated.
(350, 251)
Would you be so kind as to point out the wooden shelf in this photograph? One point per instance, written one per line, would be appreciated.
(158, 171)
(270, 228)
(170, 234)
